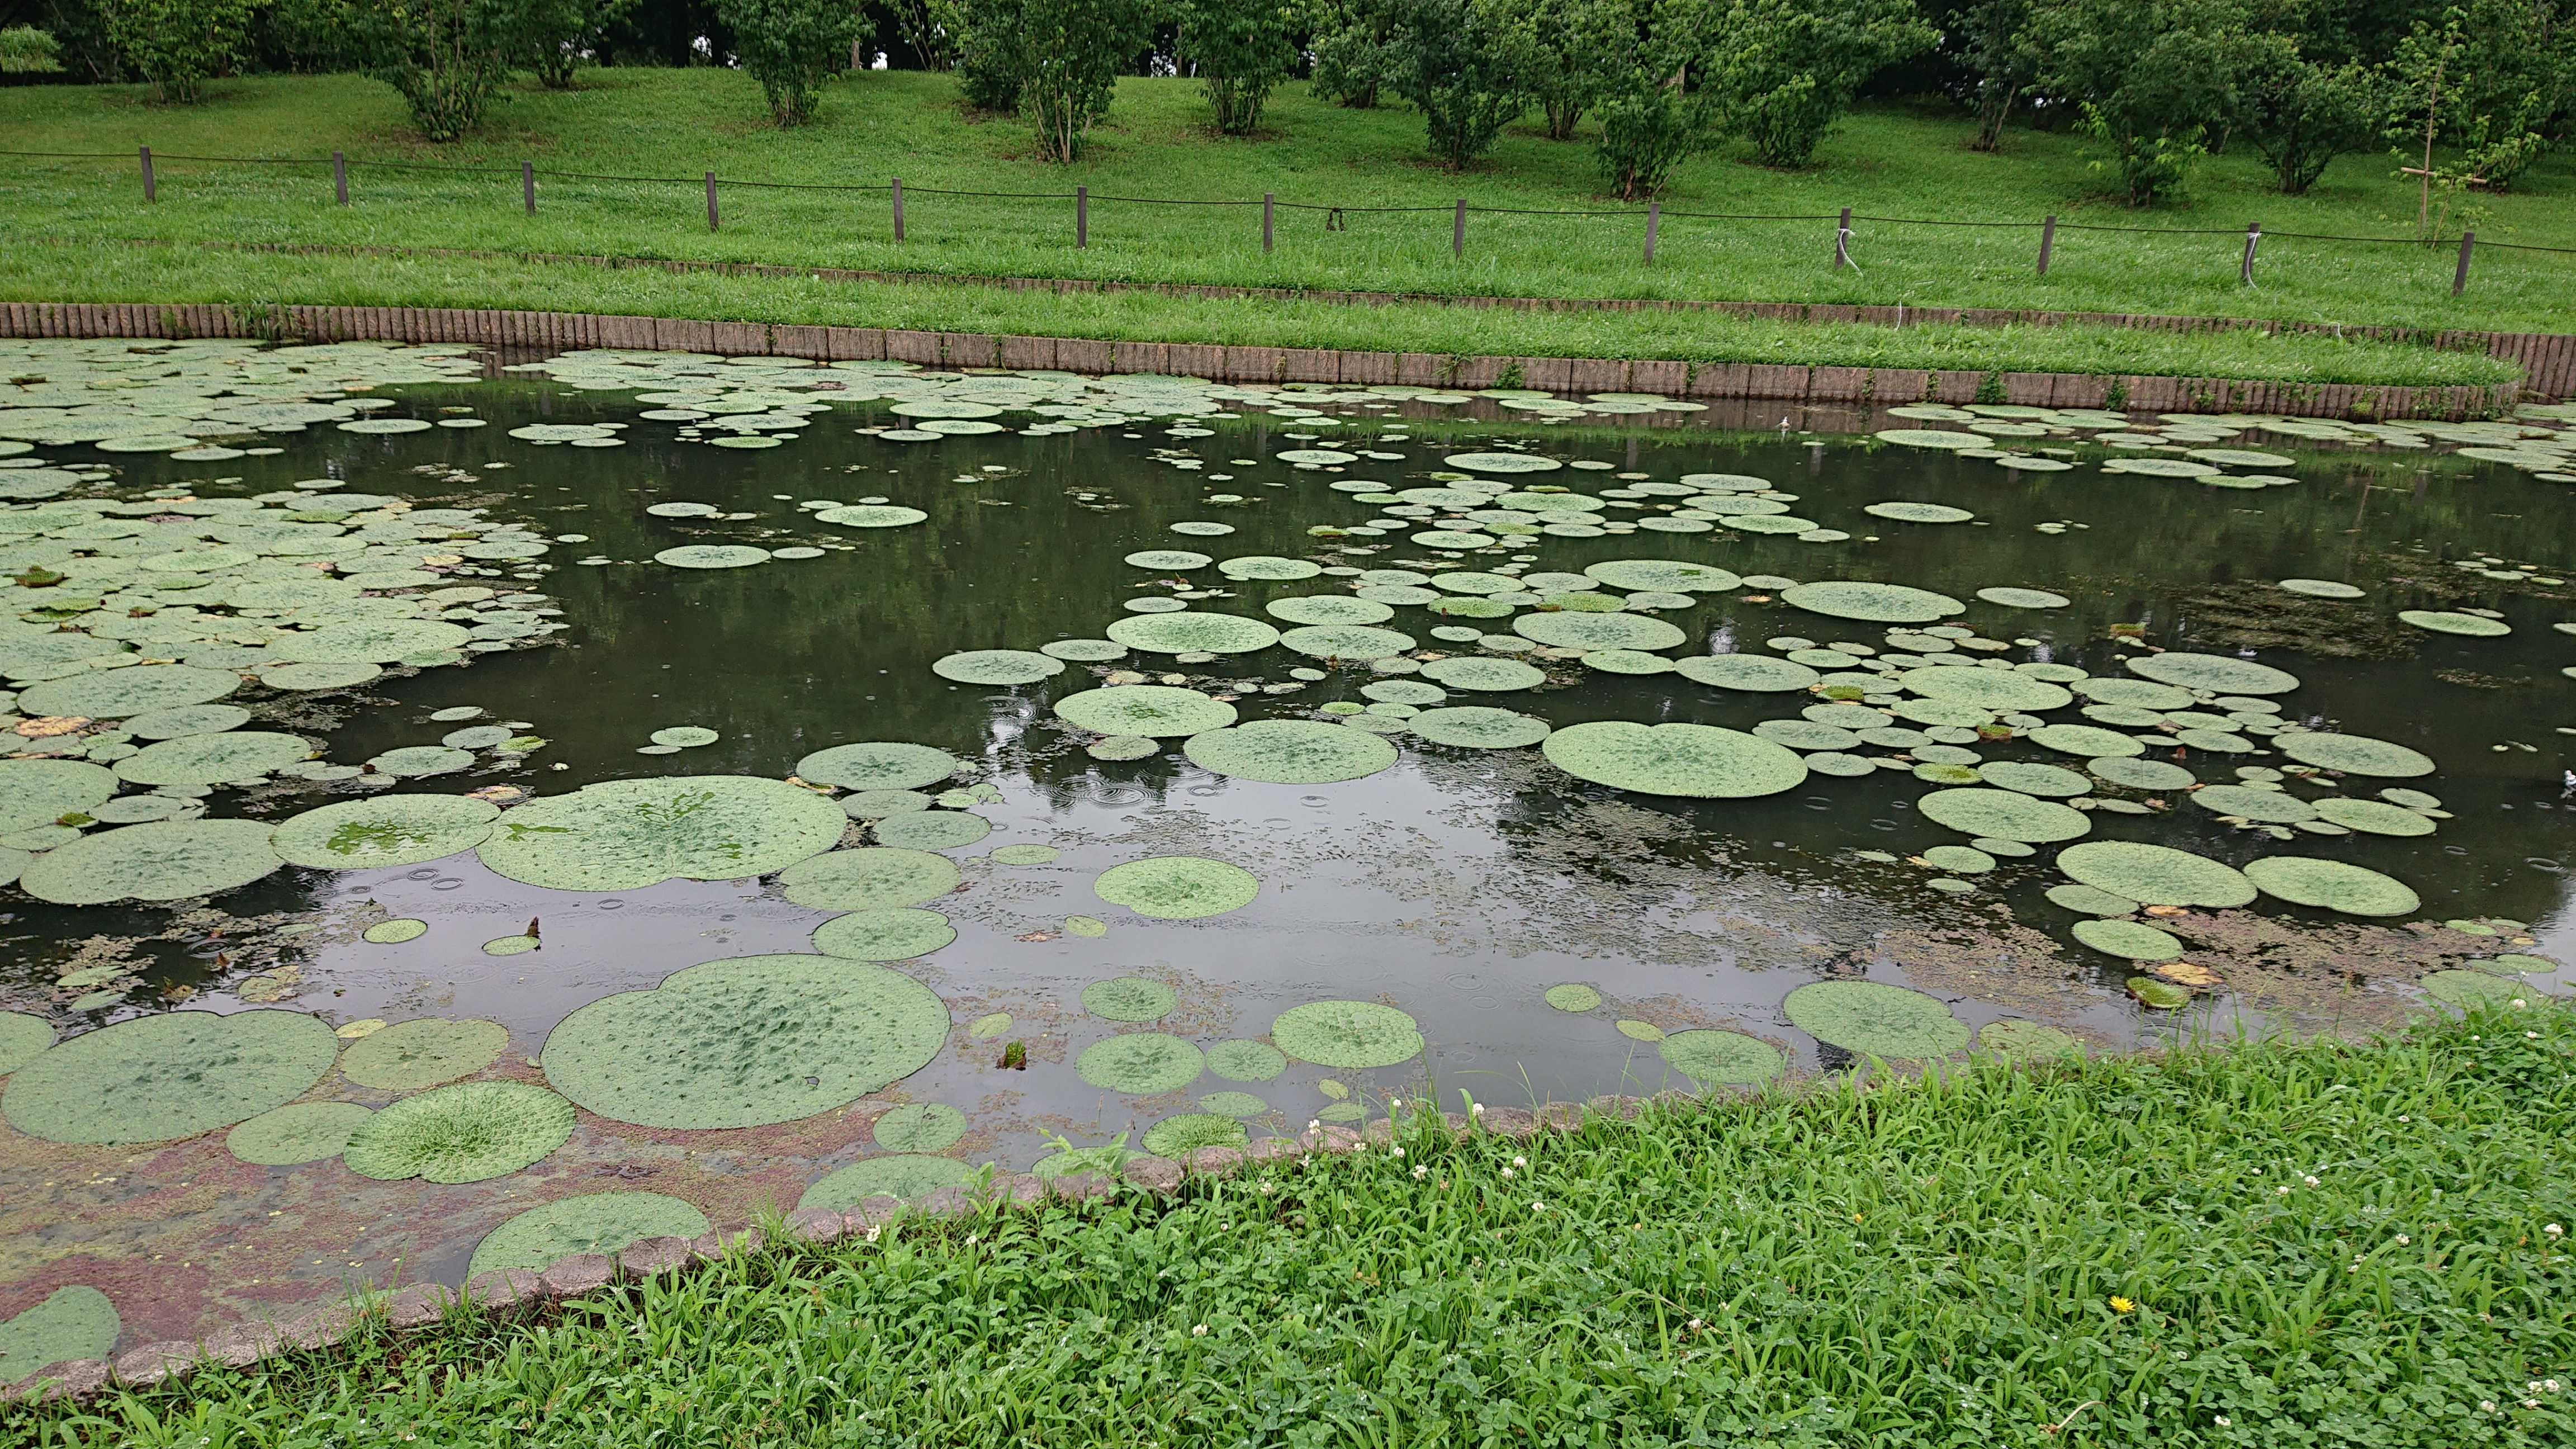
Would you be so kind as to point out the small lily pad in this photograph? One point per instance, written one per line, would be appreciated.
(296, 1133)
(412, 1055)
(1246, 1061)
(997, 666)
(1729, 1058)
(907, 1175)
(469, 1132)
(919, 1127)
(1177, 887)
(2155, 875)
(2131, 940)
(1875, 1019)
(1181, 1135)
(1351, 1035)
(1143, 1063)
(1130, 998)
(590, 1222)
(1573, 996)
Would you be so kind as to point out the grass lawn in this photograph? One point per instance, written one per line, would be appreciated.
(1889, 161)
(2271, 1244)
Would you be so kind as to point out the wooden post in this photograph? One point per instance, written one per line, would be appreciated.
(1458, 230)
(2253, 239)
(1266, 200)
(1842, 241)
(2460, 278)
(1081, 217)
(711, 201)
(1654, 219)
(149, 193)
(898, 208)
(340, 177)
(528, 185)
(2047, 241)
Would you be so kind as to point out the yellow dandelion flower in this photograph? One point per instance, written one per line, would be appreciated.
(2122, 1305)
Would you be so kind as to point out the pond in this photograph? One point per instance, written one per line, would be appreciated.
(1027, 769)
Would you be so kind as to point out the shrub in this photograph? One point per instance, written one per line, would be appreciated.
(1653, 117)
(791, 47)
(1353, 49)
(25, 50)
(1788, 68)
(2148, 76)
(1070, 52)
(986, 47)
(1240, 49)
(1465, 65)
(178, 44)
(561, 31)
(446, 57)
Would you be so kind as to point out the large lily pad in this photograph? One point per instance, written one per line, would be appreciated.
(1346, 641)
(136, 689)
(1759, 673)
(1697, 761)
(164, 860)
(2217, 673)
(74, 1322)
(1351, 1035)
(1246, 1061)
(877, 765)
(1995, 689)
(1729, 1058)
(746, 1042)
(1329, 609)
(2355, 755)
(1193, 631)
(872, 878)
(1871, 603)
(1875, 1019)
(624, 835)
(22, 1035)
(410, 1056)
(1130, 998)
(897, 934)
(1144, 1063)
(39, 792)
(1154, 711)
(1478, 727)
(469, 1132)
(906, 1175)
(1177, 887)
(370, 641)
(1186, 1133)
(2155, 875)
(1663, 575)
(2332, 885)
(2003, 815)
(591, 1222)
(2131, 940)
(997, 666)
(2090, 741)
(296, 1133)
(384, 830)
(1573, 629)
(214, 759)
(155, 1078)
(1484, 675)
(1290, 752)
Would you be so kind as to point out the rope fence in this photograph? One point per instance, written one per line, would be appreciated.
(894, 189)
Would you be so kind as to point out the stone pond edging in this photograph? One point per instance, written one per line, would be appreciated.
(519, 1292)
(1794, 383)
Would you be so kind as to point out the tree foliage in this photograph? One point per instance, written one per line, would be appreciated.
(561, 32)
(1465, 65)
(2150, 78)
(792, 47)
(1574, 48)
(1057, 61)
(1241, 50)
(2304, 113)
(178, 45)
(1656, 105)
(1353, 47)
(1788, 69)
(446, 57)
(985, 41)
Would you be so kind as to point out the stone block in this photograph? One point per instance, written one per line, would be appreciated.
(1139, 357)
(1154, 1174)
(1217, 1162)
(1670, 379)
(1081, 354)
(418, 1306)
(1254, 364)
(1191, 359)
(1771, 380)
(1079, 1187)
(323, 1327)
(1370, 369)
(800, 342)
(920, 347)
(1310, 364)
(1836, 384)
(817, 1225)
(1596, 374)
(577, 1274)
(872, 1212)
(79, 1379)
(666, 1256)
(151, 1363)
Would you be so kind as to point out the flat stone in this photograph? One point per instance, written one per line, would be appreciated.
(1510, 1122)
(1623, 1108)
(1219, 1162)
(505, 1290)
(1274, 1149)
(243, 1344)
(1154, 1174)
(1380, 1133)
(576, 1274)
(817, 1225)
(72, 1378)
(1339, 1141)
(324, 1327)
(1458, 1124)
(1561, 1116)
(872, 1212)
(1018, 1189)
(713, 1247)
(1082, 1187)
(150, 1363)
(958, 1200)
(421, 1305)
(650, 1258)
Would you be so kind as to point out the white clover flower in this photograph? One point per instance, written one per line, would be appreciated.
(1199, 1332)
(2553, 1230)
(2310, 1181)
(2532, 1035)
(1420, 1172)
(2519, 1002)
(2403, 1240)
(1398, 1151)
(1507, 1172)
(2221, 1421)
(2486, 1406)
(1536, 1206)
(2283, 1191)
(1315, 1125)
(1392, 1103)
(1478, 1110)
(1519, 1161)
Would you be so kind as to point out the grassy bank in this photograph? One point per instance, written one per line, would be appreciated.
(2270, 1245)
(1888, 162)
(81, 273)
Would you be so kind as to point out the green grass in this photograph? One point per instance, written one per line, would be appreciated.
(2321, 1243)
(1890, 161)
(87, 273)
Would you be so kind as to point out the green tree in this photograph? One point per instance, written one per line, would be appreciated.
(1653, 114)
(1353, 47)
(985, 39)
(560, 31)
(2441, 99)
(1070, 54)
(1986, 39)
(178, 45)
(25, 50)
(929, 29)
(2150, 78)
(792, 47)
(2304, 113)
(1241, 50)
(1465, 65)
(1788, 68)
(1574, 48)
(446, 57)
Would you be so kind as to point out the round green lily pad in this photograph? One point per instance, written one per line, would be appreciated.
(1181, 1135)
(907, 1175)
(2029, 779)
(71, 1323)
(2155, 875)
(470, 1132)
(724, 555)
(897, 934)
(2002, 690)
(1573, 996)
(1871, 603)
(422, 760)
(1025, 854)
(1728, 1058)
(2133, 940)
(2088, 901)
(1144, 1063)
(1193, 631)
(1909, 512)
(1177, 887)
(1663, 575)
(2159, 995)
(2027, 1041)
(1576, 630)
(1149, 710)
(868, 515)
(384, 830)
(2355, 754)
(39, 792)
(411, 1055)
(214, 759)
(2272, 807)
(919, 1127)
(1483, 675)
(590, 1222)
(194, 719)
(317, 676)
(997, 666)
(2322, 588)
(1346, 641)
(1329, 609)
(2024, 598)
(2090, 741)
(2138, 774)
(2373, 817)
(2465, 989)
(1290, 752)
(1759, 673)
(1502, 463)
(369, 641)
(159, 861)
(510, 945)
(135, 689)
(1478, 727)
(877, 765)
(933, 830)
(22, 1036)
(2217, 673)
(1875, 1019)
(1084, 651)
(746, 1042)
(1232, 1104)
(1965, 859)
(395, 931)
(1351, 1035)
(1130, 998)
(1697, 761)
(871, 878)
(296, 1133)
(624, 835)
(2466, 625)
(1169, 559)
(2332, 885)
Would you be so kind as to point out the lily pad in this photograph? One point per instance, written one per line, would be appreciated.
(2088, 901)
(1193, 631)
(1025, 854)
(2028, 779)
(2024, 598)
(746, 1042)
(2322, 588)
(1333, 609)
(1232, 1104)
(2003, 815)
(2466, 989)
(384, 830)
(870, 515)
(1759, 673)
(590, 1222)
(1149, 710)
(2372, 817)
(1290, 752)
(369, 641)
(214, 759)
(1144, 1063)
(2000, 690)
(39, 792)
(22, 1036)
(1697, 761)
(1663, 575)
(1478, 727)
(897, 934)
(2466, 625)
(154, 1078)
(193, 719)
(1575, 630)
(624, 835)
(2132, 940)
(907, 1175)
(1573, 996)
(1346, 641)
(1130, 998)
(877, 765)
(296, 1133)
(2090, 741)
(997, 666)
(469, 1132)
(1178, 1136)
(2355, 754)
(722, 555)
(1875, 1019)
(1483, 675)
(2155, 875)
(1502, 463)
(1728, 1058)
(870, 878)
(395, 931)
(71, 1323)
(2217, 673)
(2027, 1041)
(1177, 887)
(1907, 512)
(1871, 603)
(1350, 1035)
(919, 1127)
(933, 830)
(160, 861)
(2332, 885)
(412, 1055)
(2141, 774)
(1246, 1061)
